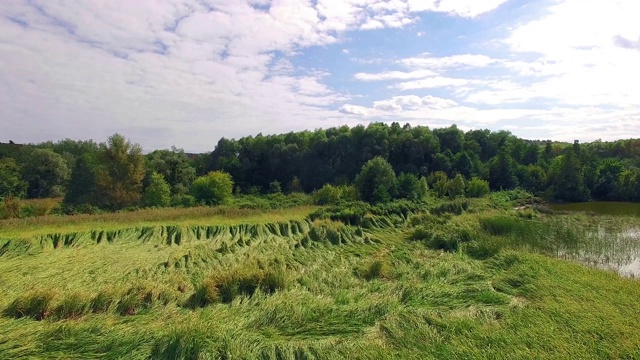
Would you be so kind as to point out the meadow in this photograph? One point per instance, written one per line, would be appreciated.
(493, 278)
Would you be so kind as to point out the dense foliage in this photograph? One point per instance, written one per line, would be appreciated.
(382, 161)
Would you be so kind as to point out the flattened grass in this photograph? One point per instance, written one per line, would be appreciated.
(28, 227)
(385, 299)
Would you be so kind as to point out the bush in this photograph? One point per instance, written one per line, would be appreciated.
(456, 207)
(275, 187)
(477, 188)
(10, 208)
(183, 201)
(409, 187)
(326, 195)
(376, 181)
(215, 188)
(157, 193)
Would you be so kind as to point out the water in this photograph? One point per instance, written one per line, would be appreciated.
(604, 245)
(602, 207)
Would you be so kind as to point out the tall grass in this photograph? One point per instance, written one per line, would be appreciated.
(264, 292)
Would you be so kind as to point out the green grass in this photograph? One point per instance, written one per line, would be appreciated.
(276, 286)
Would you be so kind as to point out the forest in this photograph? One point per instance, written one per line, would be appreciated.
(114, 175)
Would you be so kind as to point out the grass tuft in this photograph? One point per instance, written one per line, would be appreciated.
(35, 304)
(73, 306)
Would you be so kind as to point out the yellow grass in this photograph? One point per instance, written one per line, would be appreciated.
(28, 227)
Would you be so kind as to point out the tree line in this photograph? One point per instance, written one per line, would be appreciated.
(382, 161)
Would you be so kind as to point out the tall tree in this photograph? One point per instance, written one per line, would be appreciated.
(11, 183)
(46, 173)
(174, 166)
(158, 192)
(502, 171)
(376, 178)
(82, 185)
(120, 174)
(568, 182)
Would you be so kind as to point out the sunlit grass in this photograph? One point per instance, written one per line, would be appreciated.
(317, 289)
(27, 227)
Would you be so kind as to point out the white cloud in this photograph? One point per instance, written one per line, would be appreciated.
(180, 72)
(394, 75)
(448, 62)
(354, 110)
(465, 8)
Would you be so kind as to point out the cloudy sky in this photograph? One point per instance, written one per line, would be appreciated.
(187, 72)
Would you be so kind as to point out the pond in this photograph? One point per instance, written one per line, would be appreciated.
(610, 241)
(602, 207)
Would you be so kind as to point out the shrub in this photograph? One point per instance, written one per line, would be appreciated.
(183, 200)
(213, 189)
(477, 188)
(376, 181)
(157, 193)
(326, 195)
(275, 187)
(456, 207)
(409, 187)
(10, 208)
(35, 304)
(456, 186)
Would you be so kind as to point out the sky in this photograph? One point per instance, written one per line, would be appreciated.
(188, 72)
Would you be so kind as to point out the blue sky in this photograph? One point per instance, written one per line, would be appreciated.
(188, 72)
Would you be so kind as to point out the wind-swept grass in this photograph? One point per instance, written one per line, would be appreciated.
(324, 289)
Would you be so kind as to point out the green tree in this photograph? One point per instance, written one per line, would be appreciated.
(295, 186)
(46, 173)
(376, 178)
(502, 171)
(11, 182)
(568, 182)
(120, 173)
(477, 187)
(409, 187)
(607, 177)
(81, 187)
(439, 183)
(535, 178)
(215, 188)
(628, 186)
(456, 186)
(158, 192)
(174, 166)
(275, 187)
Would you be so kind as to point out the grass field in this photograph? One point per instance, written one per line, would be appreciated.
(222, 283)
